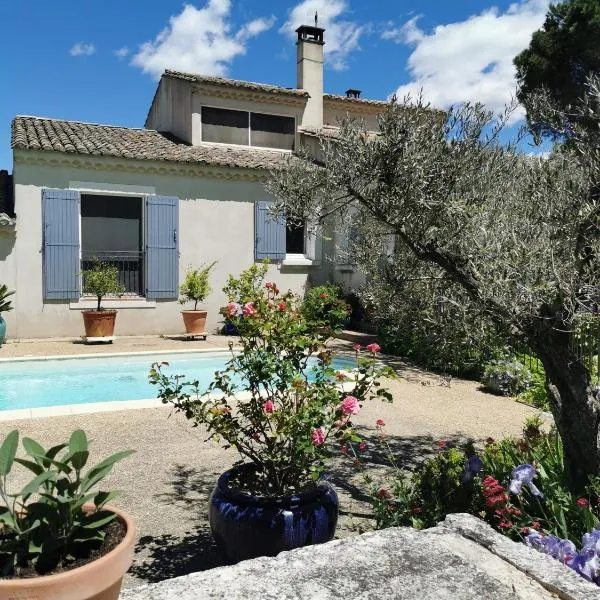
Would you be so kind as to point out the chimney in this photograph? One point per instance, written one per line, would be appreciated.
(309, 65)
(351, 93)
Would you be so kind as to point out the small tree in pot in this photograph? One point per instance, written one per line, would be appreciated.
(195, 288)
(101, 280)
(5, 306)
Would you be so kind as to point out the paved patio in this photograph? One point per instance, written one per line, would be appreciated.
(166, 483)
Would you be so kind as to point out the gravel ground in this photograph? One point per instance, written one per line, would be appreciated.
(166, 483)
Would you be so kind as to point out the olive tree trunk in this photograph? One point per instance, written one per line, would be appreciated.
(574, 405)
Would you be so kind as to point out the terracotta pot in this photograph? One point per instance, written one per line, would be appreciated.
(98, 580)
(99, 323)
(194, 320)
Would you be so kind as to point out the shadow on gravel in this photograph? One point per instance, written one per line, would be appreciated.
(408, 452)
(168, 555)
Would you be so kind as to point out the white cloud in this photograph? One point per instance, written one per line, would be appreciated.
(469, 60)
(82, 49)
(198, 40)
(122, 52)
(341, 36)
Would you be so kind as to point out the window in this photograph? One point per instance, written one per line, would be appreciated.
(225, 126)
(294, 239)
(111, 231)
(272, 131)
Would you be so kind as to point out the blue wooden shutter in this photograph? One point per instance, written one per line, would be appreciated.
(269, 231)
(162, 247)
(60, 214)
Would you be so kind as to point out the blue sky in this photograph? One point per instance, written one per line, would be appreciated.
(99, 61)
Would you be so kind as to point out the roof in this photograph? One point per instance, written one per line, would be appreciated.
(357, 101)
(236, 83)
(74, 137)
(327, 131)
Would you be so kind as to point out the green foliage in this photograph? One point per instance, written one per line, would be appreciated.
(102, 279)
(323, 307)
(5, 305)
(560, 57)
(195, 286)
(536, 394)
(45, 524)
(506, 376)
(248, 285)
(278, 401)
(439, 487)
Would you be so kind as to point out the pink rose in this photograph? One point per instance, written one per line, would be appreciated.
(350, 405)
(373, 348)
(318, 436)
(269, 285)
(248, 309)
(357, 347)
(268, 406)
(232, 309)
(380, 423)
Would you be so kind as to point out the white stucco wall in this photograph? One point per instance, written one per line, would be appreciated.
(171, 109)
(216, 221)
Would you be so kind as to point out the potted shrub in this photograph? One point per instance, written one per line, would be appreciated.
(59, 538)
(101, 280)
(282, 406)
(195, 288)
(5, 306)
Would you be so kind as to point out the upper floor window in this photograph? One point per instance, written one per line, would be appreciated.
(225, 126)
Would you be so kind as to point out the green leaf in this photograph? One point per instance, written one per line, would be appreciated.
(8, 451)
(102, 498)
(35, 467)
(34, 485)
(78, 459)
(78, 448)
(33, 448)
(98, 519)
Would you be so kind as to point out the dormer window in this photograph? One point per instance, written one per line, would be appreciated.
(242, 128)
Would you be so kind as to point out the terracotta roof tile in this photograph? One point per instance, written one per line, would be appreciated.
(236, 83)
(36, 133)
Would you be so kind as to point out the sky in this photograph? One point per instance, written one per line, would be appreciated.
(100, 62)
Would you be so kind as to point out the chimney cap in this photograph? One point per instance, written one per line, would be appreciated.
(353, 93)
(310, 33)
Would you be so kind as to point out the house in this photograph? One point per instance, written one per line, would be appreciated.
(184, 190)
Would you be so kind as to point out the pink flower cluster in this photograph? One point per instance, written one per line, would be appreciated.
(318, 436)
(268, 407)
(350, 405)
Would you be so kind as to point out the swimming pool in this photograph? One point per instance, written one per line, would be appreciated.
(59, 382)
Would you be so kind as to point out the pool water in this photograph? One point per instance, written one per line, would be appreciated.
(56, 382)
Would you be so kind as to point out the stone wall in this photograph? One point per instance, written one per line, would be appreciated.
(460, 559)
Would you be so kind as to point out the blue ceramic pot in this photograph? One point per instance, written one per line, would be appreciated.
(2, 330)
(246, 526)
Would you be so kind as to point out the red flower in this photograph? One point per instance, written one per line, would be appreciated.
(505, 524)
(373, 348)
(524, 530)
(344, 450)
(383, 493)
(324, 296)
(492, 501)
(535, 524)
(417, 510)
(269, 285)
(281, 307)
(362, 446)
(380, 423)
(442, 444)
(582, 502)
(268, 406)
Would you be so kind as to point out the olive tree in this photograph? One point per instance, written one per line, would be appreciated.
(517, 234)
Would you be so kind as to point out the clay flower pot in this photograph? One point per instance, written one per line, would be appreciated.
(98, 580)
(194, 320)
(99, 323)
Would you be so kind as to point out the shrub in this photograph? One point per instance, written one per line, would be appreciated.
(45, 524)
(5, 305)
(322, 307)
(195, 286)
(102, 280)
(536, 394)
(506, 376)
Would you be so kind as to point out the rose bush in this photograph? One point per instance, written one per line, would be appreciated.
(279, 401)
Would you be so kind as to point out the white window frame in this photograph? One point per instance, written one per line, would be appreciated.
(249, 145)
(109, 302)
(311, 249)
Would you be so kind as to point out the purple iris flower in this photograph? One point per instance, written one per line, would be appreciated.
(473, 466)
(523, 475)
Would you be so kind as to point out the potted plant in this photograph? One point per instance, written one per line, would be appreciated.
(5, 306)
(59, 538)
(195, 288)
(280, 403)
(101, 280)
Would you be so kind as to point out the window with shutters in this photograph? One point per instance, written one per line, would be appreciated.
(243, 128)
(111, 231)
(139, 235)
